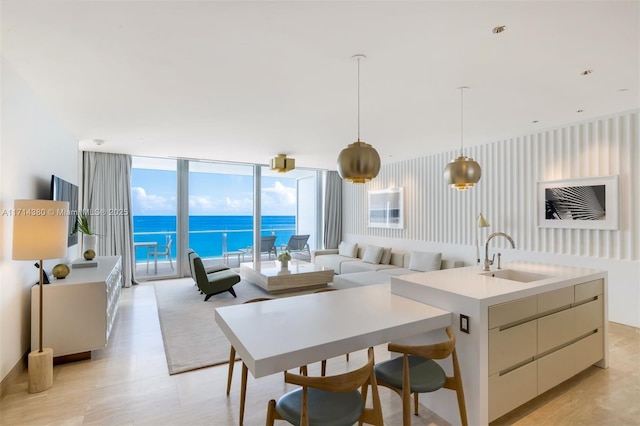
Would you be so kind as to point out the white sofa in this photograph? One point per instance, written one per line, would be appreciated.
(357, 266)
(343, 264)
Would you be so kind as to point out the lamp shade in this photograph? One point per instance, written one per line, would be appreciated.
(462, 173)
(482, 221)
(359, 162)
(40, 229)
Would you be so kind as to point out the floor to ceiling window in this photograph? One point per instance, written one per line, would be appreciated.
(211, 208)
(220, 209)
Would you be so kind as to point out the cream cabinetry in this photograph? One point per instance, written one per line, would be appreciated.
(532, 349)
(79, 311)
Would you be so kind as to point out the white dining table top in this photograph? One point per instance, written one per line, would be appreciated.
(285, 333)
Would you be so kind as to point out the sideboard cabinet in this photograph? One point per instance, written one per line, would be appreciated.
(78, 311)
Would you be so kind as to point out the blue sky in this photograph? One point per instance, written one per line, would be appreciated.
(154, 193)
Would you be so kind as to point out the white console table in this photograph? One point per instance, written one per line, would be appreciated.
(79, 310)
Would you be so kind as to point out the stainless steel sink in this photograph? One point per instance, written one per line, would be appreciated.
(515, 275)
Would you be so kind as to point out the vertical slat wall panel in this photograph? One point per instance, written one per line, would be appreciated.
(507, 193)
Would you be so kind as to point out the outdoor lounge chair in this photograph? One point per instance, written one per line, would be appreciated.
(298, 244)
(268, 245)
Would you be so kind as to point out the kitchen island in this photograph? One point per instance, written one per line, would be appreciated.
(527, 328)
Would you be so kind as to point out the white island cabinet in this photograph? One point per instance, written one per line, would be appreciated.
(79, 310)
(528, 331)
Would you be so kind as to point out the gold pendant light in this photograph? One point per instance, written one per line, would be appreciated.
(463, 172)
(359, 162)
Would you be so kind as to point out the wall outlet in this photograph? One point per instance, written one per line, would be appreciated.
(464, 323)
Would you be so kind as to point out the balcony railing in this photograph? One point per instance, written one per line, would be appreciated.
(209, 243)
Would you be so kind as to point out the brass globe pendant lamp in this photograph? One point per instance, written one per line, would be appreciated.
(359, 162)
(463, 172)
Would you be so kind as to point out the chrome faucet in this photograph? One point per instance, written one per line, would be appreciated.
(488, 262)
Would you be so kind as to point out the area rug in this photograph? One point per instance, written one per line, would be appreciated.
(191, 337)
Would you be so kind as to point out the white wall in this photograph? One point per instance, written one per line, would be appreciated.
(443, 219)
(33, 146)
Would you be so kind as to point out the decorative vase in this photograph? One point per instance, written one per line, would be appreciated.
(60, 271)
(90, 242)
(284, 264)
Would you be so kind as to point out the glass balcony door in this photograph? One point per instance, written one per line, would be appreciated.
(154, 197)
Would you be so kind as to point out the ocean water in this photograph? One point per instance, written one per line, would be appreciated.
(210, 235)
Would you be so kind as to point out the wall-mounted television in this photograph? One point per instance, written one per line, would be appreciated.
(61, 190)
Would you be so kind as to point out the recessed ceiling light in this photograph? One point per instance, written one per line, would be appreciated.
(98, 141)
(586, 72)
(535, 121)
(499, 29)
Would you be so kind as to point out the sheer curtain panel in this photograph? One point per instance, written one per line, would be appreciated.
(332, 210)
(106, 196)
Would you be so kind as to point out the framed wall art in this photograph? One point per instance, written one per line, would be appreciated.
(585, 203)
(386, 208)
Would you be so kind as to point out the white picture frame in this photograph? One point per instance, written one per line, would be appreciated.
(583, 203)
(386, 208)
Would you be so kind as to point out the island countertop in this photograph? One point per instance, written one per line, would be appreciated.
(470, 281)
(471, 295)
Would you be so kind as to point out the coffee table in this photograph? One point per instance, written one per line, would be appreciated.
(299, 275)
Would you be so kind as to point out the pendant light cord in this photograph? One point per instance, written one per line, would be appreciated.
(461, 122)
(358, 99)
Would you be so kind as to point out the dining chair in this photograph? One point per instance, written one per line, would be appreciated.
(245, 370)
(329, 400)
(416, 372)
(166, 251)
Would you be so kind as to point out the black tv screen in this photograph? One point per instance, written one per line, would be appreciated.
(61, 190)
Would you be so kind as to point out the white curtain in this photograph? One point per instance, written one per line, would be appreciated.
(332, 210)
(106, 196)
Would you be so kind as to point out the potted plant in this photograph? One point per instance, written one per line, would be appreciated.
(284, 257)
(89, 238)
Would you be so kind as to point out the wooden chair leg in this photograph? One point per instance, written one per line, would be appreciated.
(415, 403)
(243, 391)
(406, 393)
(347, 355)
(232, 359)
(459, 389)
(323, 368)
(363, 391)
(271, 412)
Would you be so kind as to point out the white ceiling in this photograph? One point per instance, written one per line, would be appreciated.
(244, 81)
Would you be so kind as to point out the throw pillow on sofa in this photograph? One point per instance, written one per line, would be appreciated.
(348, 249)
(425, 261)
(372, 254)
(386, 256)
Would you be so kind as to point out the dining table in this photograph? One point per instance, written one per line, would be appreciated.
(288, 332)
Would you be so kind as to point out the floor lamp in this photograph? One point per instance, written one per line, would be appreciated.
(481, 223)
(40, 231)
